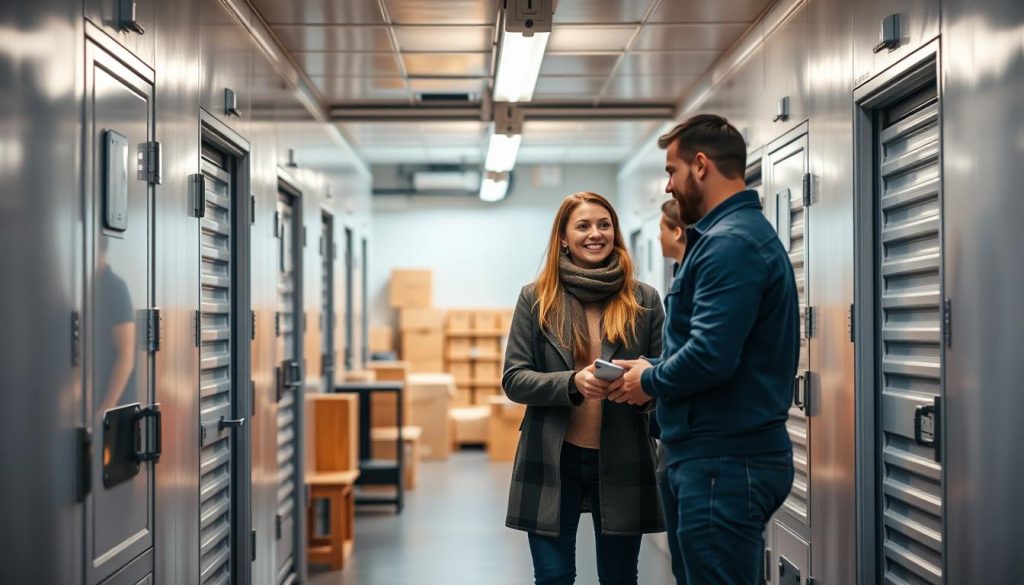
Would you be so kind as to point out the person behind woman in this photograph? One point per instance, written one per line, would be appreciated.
(578, 450)
(673, 247)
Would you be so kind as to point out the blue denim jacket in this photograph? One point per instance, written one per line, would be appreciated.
(724, 383)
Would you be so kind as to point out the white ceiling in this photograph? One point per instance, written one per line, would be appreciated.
(601, 52)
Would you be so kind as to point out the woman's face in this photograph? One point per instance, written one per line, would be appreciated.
(589, 235)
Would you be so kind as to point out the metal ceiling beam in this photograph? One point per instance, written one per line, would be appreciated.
(532, 111)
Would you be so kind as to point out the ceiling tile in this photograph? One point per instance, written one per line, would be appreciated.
(334, 38)
(570, 39)
(455, 154)
(350, 89)
(689, 11)
(460, 133)
(378, 134)
(576, 87)
(600, 11)
(348, 64)
(688, 37)
(666, 64)
(450, 85)
(533, 154)
(395, 154)
(597, 154)
(649, 88)
(442, 11)
(447, 64)
(537, 129)
(320, 11)
(593, 65)
(444, 38)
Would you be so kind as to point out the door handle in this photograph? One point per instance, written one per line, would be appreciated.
(235, 423)
(802, 391)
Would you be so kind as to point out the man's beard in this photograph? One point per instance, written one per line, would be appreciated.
(691, 202)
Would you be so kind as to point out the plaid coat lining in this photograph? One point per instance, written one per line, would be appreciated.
(537, 373)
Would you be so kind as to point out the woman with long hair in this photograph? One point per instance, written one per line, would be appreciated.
(578, 451)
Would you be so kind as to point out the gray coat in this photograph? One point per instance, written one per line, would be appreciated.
(537, 373)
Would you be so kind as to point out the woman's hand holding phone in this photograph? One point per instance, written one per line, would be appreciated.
(592, 387)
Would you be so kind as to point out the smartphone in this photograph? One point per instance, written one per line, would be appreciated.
(607, 371)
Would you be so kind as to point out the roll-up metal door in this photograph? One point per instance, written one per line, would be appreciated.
(290, 324)
(909, 366)
(788, 184)
(327, 317)
(217, 376)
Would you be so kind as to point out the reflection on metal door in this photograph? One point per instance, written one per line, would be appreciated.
(218, 363)
(364, 302)
(788, 197)
(122, 327)
(327, 320)
(289, 387)
(909, 306)
(350, 267)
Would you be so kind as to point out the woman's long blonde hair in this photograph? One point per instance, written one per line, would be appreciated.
(622, 310)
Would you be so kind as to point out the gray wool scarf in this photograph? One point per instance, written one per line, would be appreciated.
(586, 285)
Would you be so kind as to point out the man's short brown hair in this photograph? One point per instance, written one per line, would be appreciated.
(713, 135)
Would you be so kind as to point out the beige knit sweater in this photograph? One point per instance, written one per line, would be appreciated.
(585, 420)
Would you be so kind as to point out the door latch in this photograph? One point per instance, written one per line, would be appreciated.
(802, 391)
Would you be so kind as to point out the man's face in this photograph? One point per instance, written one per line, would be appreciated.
(683, 186)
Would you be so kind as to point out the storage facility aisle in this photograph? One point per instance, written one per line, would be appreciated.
(453, 531)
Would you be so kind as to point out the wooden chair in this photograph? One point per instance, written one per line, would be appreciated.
(335, 547)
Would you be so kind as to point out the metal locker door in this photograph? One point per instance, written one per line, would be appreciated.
(350, 310)
(327, 320)
(908, 337)
(290, 324)
(121, 324)
(786, 177)
(220, 363)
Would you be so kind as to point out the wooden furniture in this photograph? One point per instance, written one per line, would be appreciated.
(336, 487)
(383, 407)
(430, 397)
(384, 442)
(378, 471)
(469, 425)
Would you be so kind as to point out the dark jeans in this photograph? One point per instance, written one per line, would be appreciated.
(668, 508)
(554, 558)
(723, 505)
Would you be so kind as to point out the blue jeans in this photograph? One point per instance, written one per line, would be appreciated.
(668, 508)
(724, 504)
(554, 558)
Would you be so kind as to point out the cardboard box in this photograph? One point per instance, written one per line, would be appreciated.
(421, 319)
(460, 320)
(411, 288)
(333, 424)
(505, 320)
(487, 372)
(462, 371)
(503, 428)
(382, 404)
(382, 446)
(430, 396)
(382, 340)
(423, 345)
(426, 366)
(486, 347)
(459, 347)
(463, 397)
(389, 371)
(360, 376)
(482, 395)
(485, 320)
(470, 424)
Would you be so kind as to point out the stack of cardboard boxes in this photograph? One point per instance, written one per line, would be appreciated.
(475, 352)
(421, 326)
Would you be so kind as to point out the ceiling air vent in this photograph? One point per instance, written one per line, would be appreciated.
(447, 98)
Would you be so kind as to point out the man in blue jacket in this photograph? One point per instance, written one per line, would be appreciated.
(724, 383)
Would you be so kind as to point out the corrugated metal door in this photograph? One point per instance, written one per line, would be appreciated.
(787, 168)
(909, 330)
(289, 383)
(327, 317)
(217, 376)
(121, 328)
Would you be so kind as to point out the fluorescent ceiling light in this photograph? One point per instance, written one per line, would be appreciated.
(519, 66)
(501, 152)
(494, 187)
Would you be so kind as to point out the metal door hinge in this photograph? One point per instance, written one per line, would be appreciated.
(155, 446)
(83, 438)
(808, 322)
(252, 325)
(199, 328)
(76, 338)
(252, 397)
(278, 526)
(277, 224)
(277, 324)
(811, 581)
(154, 329)
(149, 165)
(197, 194)
(768, 565)
(254, 545)
(947, 322)
(303, 236)
(851, 323)
(808, 185)
(252, 209)
(802, 391)
(928, 426)
(129, 19)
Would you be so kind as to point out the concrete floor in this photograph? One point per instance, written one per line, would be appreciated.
(452, 532)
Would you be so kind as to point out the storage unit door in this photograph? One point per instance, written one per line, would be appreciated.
(121, 331)
(218, 381)
(289, 386)
(327, 320)
(909, 306)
